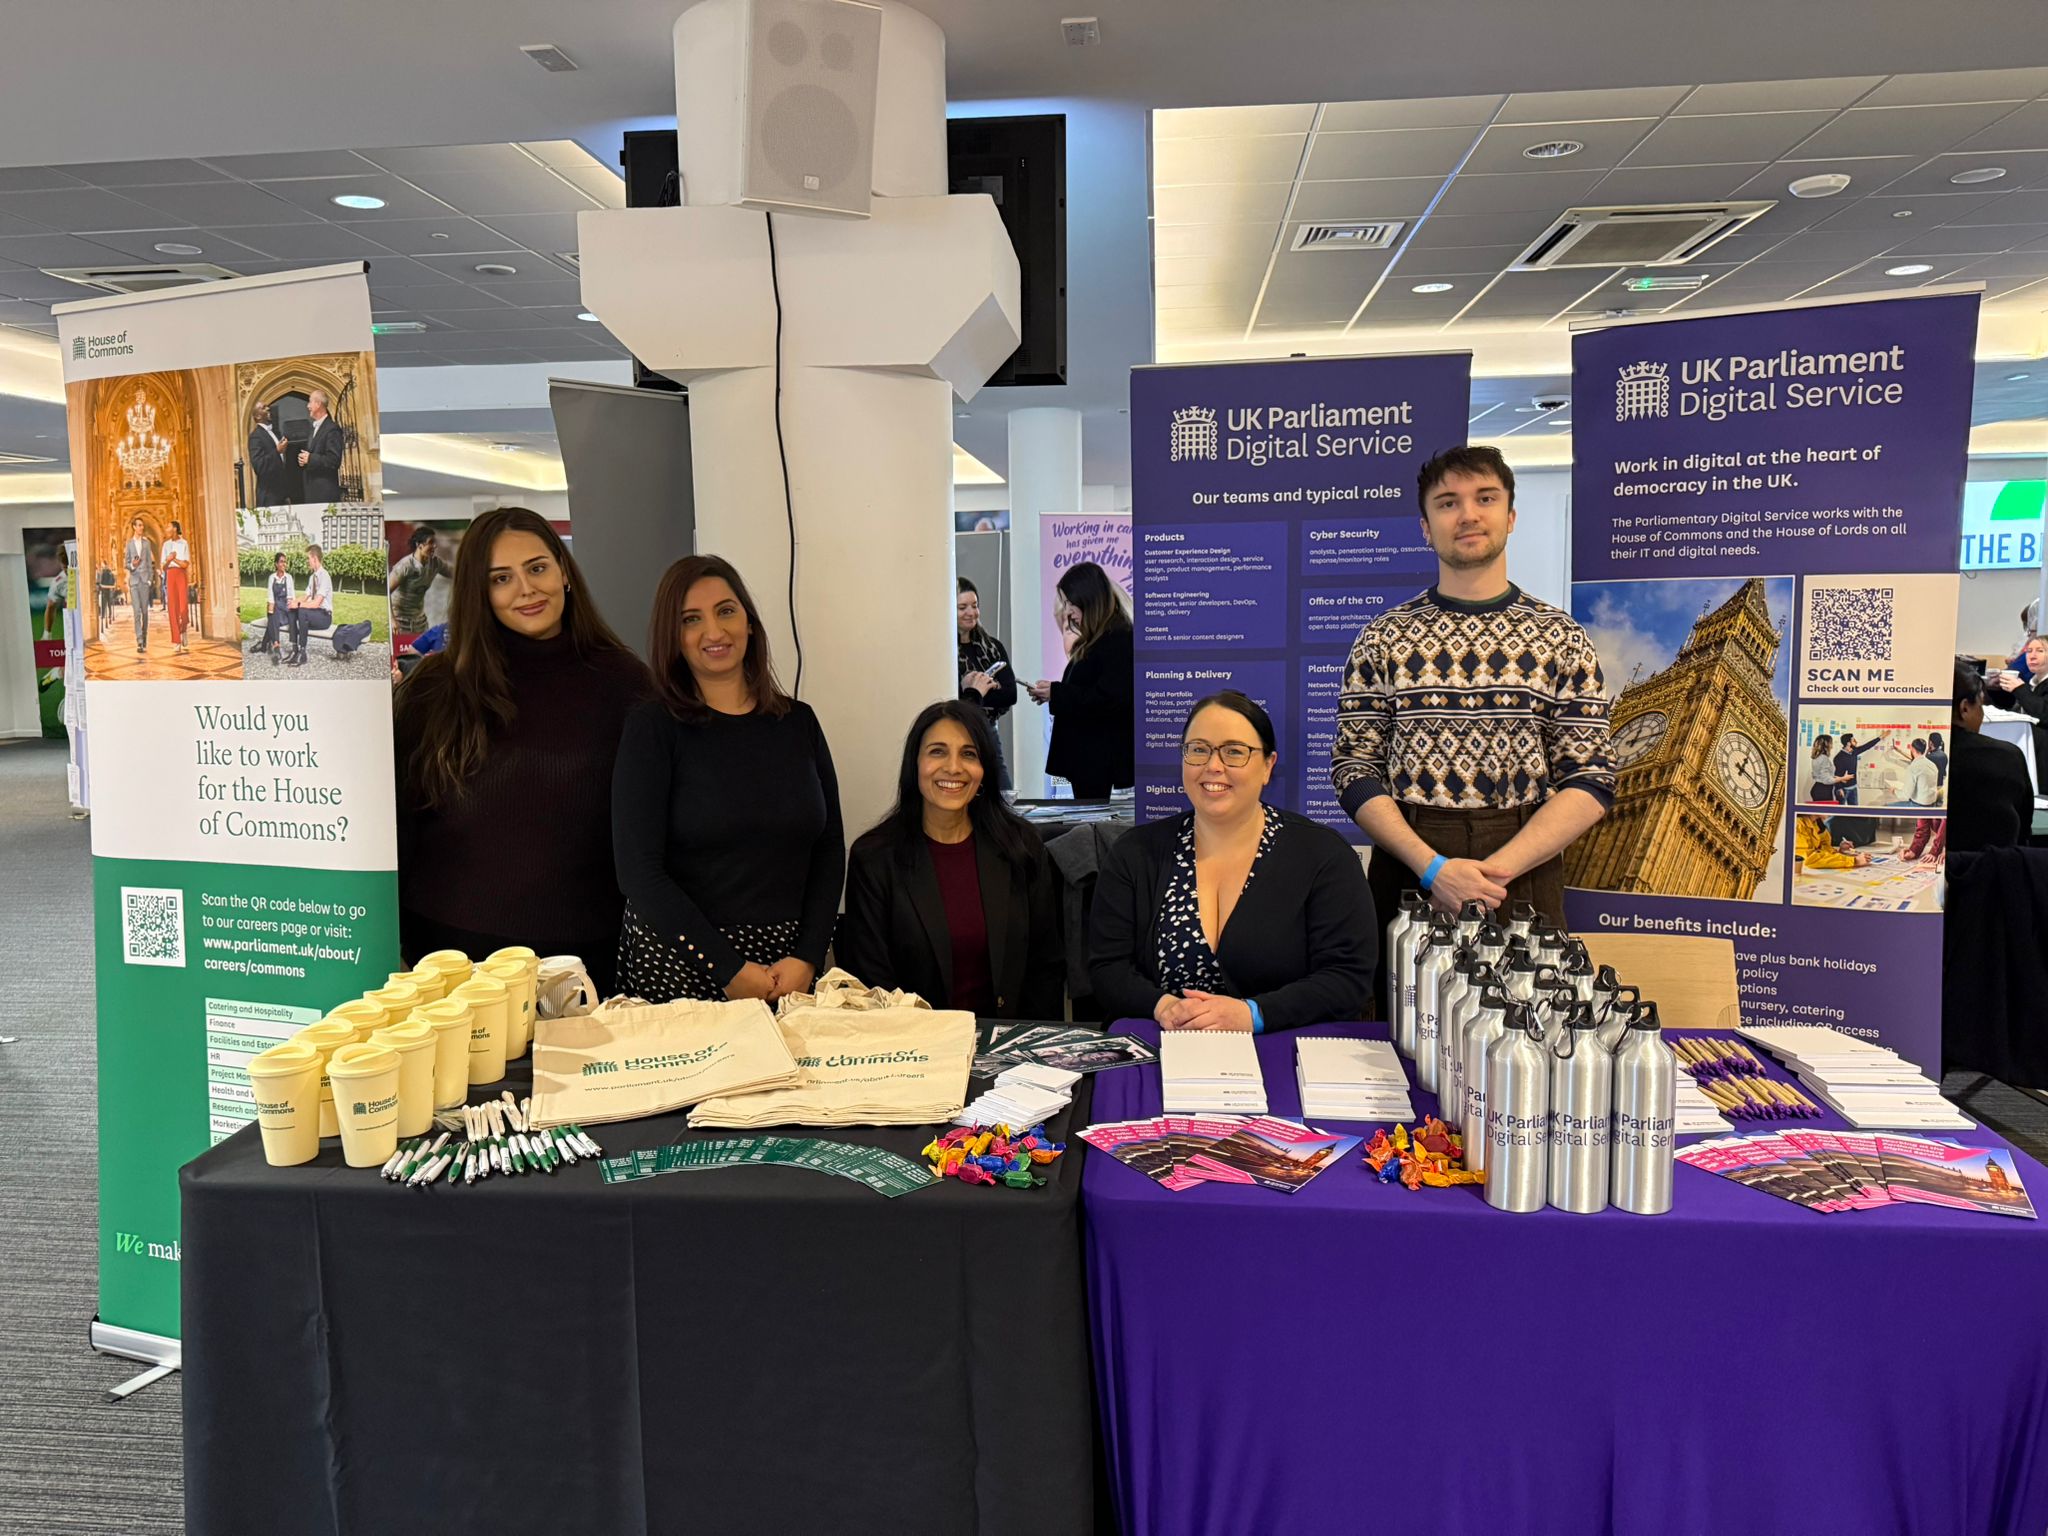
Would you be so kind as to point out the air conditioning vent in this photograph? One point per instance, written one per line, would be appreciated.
(1635, 237)
(1351, 235)
(138, 278)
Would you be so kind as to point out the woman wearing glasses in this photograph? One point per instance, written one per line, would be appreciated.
(1236, 915)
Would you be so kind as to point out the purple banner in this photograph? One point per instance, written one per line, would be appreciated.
(1273, 515)
(1766, 510)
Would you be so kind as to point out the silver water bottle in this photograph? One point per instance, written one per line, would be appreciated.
(1521, 918)
(1645, 1116)
(1406, 950)
(1581, 1100)
(1578, 970)
(1413, 905)
(1471, 918)
(1517, 1115)
(1450, 1097)
(1486, 1025)
(1493, 942)
(1613, 1006)
(1449, 1072)
(1432, 969)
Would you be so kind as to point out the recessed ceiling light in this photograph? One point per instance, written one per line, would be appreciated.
(438, 235)
(1552, 149)
(175, 248)
(1666, 282)
(1431, 288)
(2014, 378)
(356, 200)
(1977, 177)
(1910, 269)
(584, 314)
(1902, 213)
(497, 269)
(1827, 184)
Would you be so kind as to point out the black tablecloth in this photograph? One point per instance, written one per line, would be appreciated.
(1994, 974)
(746, 1350)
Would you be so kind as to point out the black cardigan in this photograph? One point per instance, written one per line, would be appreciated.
(895, 934)
(1091, 719)
(1301, 942)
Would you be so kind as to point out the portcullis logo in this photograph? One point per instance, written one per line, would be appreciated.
(78, 349)
(1642, 391)
(1194, 433)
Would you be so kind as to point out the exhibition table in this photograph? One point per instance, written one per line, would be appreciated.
(754, 1349)
(2017, 729)
(1362, 1357)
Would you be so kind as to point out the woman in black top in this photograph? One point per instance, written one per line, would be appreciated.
(1236, 915)
(1091, 703)
(725, 820)
(986, 677)
(951, 896)
(505, 743)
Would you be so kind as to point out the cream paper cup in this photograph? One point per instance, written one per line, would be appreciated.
(361, 1015)
(286, 1083)
(519, 969)
(397, 1000)
(327, 1037)
(450, 963)
(365, 1079)
(414, 1042)
(432, 984)
(563, 988)
(450, 1020)
(490, 1029)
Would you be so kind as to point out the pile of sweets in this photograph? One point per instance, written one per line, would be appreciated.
(1433, 1155)
(997, 1155)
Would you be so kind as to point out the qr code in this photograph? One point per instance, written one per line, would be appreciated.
(1850, 624)
(152, 926)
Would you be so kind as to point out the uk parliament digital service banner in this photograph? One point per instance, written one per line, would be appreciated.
(1273, 514)
(223, 443)
(1766, 509)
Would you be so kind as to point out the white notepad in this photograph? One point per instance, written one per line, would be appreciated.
(1215, 1069)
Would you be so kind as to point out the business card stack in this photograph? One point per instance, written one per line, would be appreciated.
(1351, 1079)
(1211, 1070)
(1868, 1085)
(1022, 1096)
(1696, 1112)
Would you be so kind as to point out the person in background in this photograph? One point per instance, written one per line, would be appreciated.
(277, 616)
(1937, 754)
(140, 559)
(105, 586)
(1848, 761)
(1813, 848)
(986, 676)
(1820, 771)
(505, 745)
(1091, 704)
(725, 807)
(2030, 626)
(1990, 796)
(1472, 778)
(312, 609)
(1235, 915)
(177, 559)
(410, 578)
(951, 895)
(2026, 693)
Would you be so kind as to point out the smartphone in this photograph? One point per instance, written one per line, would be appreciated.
(996, 666)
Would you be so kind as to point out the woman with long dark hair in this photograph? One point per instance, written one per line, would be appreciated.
(951, 895)
(1091, 703)
(725, 808)
(505, 742)
(986, 676)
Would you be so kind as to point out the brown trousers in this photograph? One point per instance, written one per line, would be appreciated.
(1461, 835)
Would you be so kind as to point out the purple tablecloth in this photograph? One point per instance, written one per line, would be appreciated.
(1359, 1357)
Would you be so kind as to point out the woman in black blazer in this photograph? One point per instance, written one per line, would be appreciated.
(951, 895)
(1091, 703)
(1235, 915)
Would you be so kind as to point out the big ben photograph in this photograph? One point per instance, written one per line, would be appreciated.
(1700, 675)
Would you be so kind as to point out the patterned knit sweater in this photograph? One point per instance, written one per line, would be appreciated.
(1471, 706)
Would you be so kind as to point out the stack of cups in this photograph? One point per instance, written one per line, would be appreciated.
(397, 1000)
(361, 1015)
(365, 1086)
(450, 1020)
(452, 965)
(327, 1037)
(519, 968)
(490, 1029)
(565, 988)
(286, 1083)
(414, 1042)
(432, 984)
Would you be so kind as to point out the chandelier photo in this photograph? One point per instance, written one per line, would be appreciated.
(143, 451)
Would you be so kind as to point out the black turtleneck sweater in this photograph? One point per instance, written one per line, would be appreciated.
(524, 854)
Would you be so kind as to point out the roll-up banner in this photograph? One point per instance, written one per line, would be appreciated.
(1765, 515)
(238, 688)
(1274, 514)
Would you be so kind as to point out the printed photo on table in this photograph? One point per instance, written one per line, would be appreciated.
(1875, 757)
(152, 475)
(1869, 863)
(1700, 737)
(306, 432)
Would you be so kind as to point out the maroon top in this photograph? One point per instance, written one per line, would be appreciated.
(960, 889)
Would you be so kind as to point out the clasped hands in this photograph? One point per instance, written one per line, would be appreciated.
(1195, 1009)
(771, 983)
(1463, 880)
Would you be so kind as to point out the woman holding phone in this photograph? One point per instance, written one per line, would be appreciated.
(986, 677)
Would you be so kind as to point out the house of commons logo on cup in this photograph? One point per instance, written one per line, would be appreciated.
(1642, 391)
(1193, 433)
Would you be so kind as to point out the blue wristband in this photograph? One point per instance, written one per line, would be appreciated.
(1428, 877)
(1258, 1018)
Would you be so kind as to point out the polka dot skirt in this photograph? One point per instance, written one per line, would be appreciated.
(661, 969)
(1185, 958)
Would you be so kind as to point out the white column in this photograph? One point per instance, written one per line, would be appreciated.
(1045, 476)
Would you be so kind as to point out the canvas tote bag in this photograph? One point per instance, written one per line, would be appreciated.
(627, 1059)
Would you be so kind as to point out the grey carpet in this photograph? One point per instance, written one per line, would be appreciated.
(70, 1462)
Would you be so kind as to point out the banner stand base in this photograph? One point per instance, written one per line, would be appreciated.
(160, 1354)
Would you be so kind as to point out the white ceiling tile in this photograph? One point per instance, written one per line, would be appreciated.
(1671, 184)
(1553, 191)
(1337, 278)
(1777, 95)
(2023, 127)
(1456, 264)
(439, 159)
(1283, 327)
(1876, 211)
(1185, 271)
(535, 231)
(10, 224)
(1586, 106)
(1397, 152)
(1396, 308)
(39, 287)
(2039, 244)
(1231, 122)
(1259, 201)
(416, 237)
(144, 173)
(1204, 162)
(79, 210)
(1500, 148)
(402, 200)
(289, 163)
(34, 178)
(1170, 240)
(1397, 197)
(1207, 295)
(1961, 85)
(562, 154)
(1206, 318)
(2021, 168)
(1440, 231)
(1901, 130)
(504, 318)
(559, 293)
(315, 244)
(1723, 139)
(53, 251)
(2027, 264)
(2013, 208)
(529, 268)
(220, 205)
(1870, 173)
(435, 296)
(1428, 112)
(529, 189)
(142, 243)
(606, 188)
(1841, 246)
(1965, 240)
(1739, 248)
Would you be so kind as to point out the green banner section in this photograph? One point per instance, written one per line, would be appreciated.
(201, 966)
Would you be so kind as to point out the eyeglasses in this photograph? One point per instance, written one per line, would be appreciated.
(1235, 754)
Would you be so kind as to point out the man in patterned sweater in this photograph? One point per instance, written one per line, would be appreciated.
(1472, 727)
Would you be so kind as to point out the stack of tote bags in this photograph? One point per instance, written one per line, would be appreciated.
(626, 1059)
